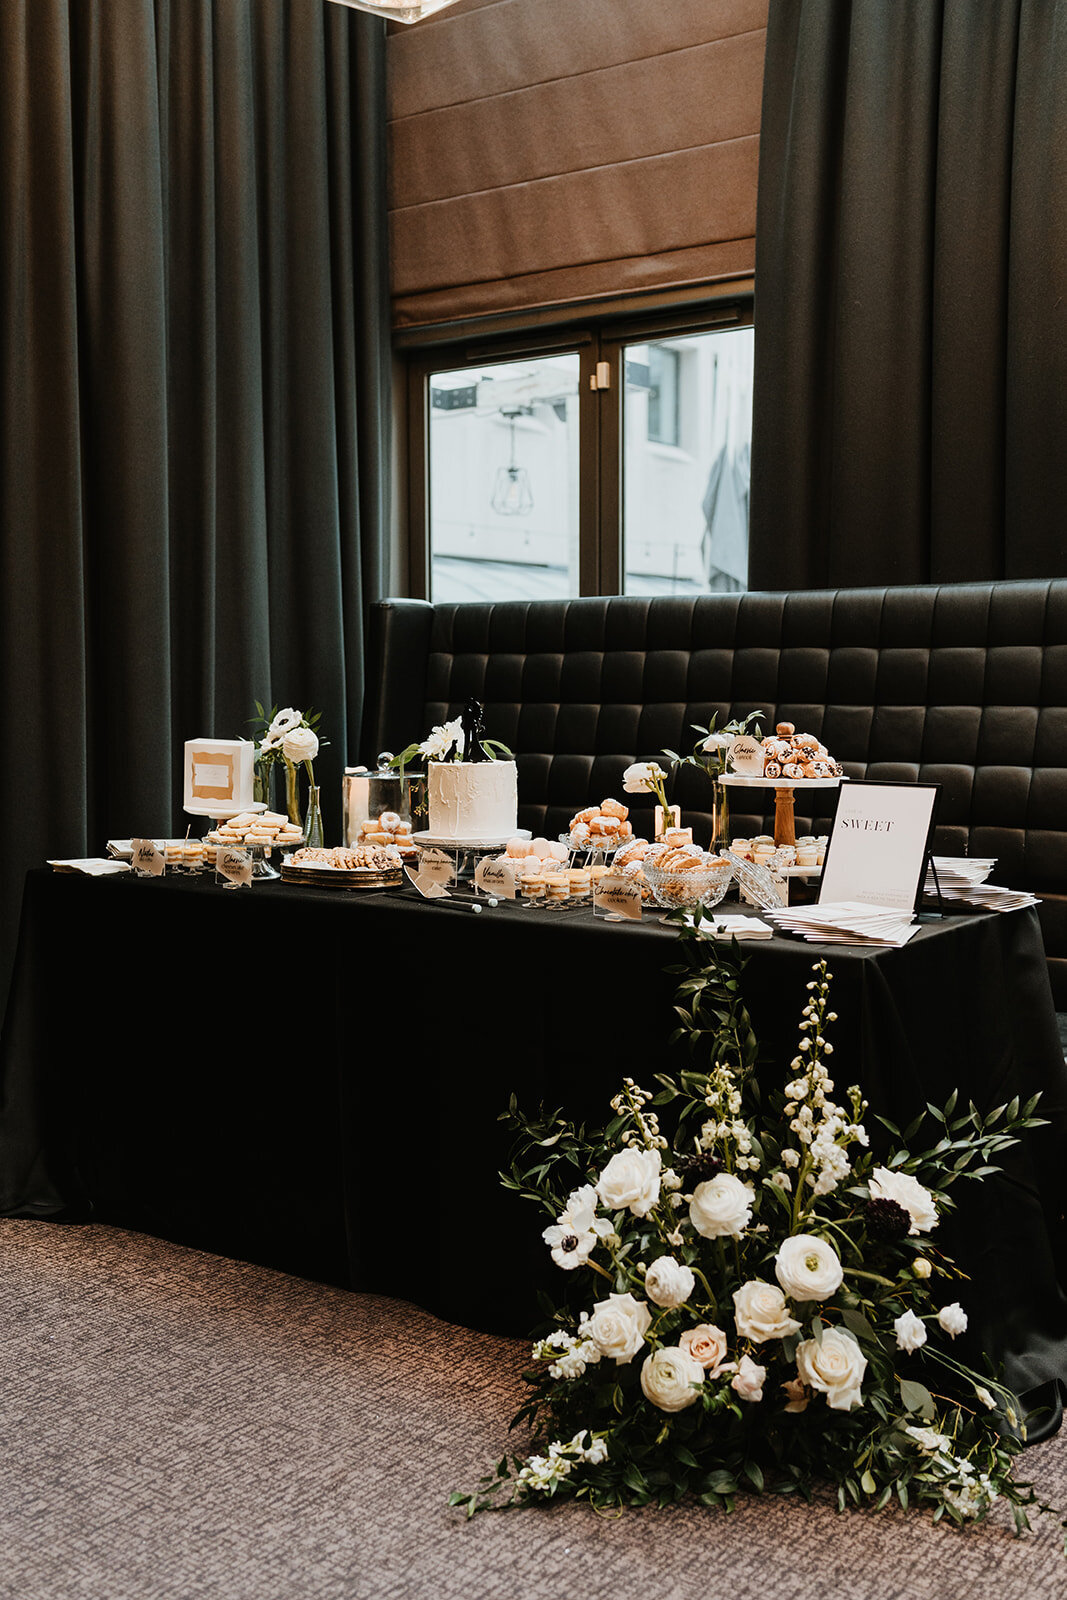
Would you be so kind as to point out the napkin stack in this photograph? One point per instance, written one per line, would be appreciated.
(92, 866)
(963, 878)
(848, 922)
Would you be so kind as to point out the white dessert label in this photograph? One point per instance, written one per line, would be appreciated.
(620, 895)
(496, 878)
(745, 756)
(426, 886)
(148, 860)
(437, 866)
(233, 865)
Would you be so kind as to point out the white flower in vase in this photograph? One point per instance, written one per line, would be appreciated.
(301, 744)
(286, 720)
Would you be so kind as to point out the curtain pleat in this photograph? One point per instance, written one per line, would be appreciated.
(911, 347)
(194, 390)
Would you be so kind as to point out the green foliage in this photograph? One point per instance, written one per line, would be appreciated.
(834, 1385)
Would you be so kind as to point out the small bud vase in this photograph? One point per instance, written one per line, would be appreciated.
(313, 821)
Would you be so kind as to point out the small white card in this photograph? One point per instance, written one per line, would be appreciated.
(148, 861)
(495, 878)
(232, 864)
(745, 756)
(437, 866)
(618, 896)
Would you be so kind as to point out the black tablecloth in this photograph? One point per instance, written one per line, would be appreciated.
(312, 1080)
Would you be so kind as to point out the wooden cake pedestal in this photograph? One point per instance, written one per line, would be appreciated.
(784, 824)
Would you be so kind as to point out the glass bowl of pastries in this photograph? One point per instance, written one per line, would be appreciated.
(683, 875)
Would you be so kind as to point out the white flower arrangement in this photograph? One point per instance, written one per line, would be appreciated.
(289, 736)
(750, 1333)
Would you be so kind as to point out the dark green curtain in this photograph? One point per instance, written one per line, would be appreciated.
(193, 396)
(911, 294)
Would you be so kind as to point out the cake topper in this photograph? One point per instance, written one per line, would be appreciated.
(473, 723)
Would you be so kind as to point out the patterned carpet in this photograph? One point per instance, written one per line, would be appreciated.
(176, 1426)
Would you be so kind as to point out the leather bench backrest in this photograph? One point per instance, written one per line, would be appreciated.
(963, 685)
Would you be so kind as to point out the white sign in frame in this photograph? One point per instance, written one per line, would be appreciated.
(879, 843)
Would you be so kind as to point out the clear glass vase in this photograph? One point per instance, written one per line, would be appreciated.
(720, 815)
(313, 821)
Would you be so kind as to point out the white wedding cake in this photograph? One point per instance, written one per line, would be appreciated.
(475, 800)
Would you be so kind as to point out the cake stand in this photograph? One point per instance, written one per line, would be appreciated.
(784, 826)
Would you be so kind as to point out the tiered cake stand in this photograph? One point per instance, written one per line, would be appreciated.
(784, 824)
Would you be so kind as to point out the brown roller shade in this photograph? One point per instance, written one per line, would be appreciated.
(544, 152)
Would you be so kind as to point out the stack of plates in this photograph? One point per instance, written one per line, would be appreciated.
(848, 922)
(963, 878)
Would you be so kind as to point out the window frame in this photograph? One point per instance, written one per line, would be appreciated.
(598, 335)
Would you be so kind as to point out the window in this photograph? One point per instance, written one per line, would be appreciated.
(602, 459)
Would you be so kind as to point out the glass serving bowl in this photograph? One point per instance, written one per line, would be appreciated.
(704, 886)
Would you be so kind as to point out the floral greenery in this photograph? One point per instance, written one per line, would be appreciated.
(445, 743)
(766, 1311)
(710, 751)
(289, 736)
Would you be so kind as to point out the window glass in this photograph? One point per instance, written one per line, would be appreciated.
(503, 513)
(687, 433)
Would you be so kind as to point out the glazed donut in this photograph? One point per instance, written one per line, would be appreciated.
(614, 808)
(389, 821)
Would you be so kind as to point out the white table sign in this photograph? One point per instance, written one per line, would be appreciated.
(745, 755)
(147, 859)
(437, 866)
(495, 877)
(879, 843)
(233, 865)
(617, 898)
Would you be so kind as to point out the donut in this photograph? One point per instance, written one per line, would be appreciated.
(614, 808)
(389, 821)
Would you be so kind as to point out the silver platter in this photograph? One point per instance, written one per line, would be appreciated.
(342, 878)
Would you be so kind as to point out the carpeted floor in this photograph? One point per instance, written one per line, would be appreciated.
(176, 1426)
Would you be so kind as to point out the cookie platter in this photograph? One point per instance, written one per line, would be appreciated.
(359, 867)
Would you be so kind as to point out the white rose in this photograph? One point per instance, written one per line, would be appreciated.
(953, 1319)
(640, 778)
(835, 1368)
(631, 1178)
(721, 1207)
(760, 1312)
(302, 744)
(748, 1379)
(668, 1283)
(287, 719)
(907, 1192)
(668, 1376)
(921, 1267)
(618, 1326)
(707, 1346)
(808, 1268)
(910, 1332)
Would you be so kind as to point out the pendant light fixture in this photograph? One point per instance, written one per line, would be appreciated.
(512, 495)
(398, 10)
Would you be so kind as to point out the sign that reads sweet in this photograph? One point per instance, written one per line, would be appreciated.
(878, 844)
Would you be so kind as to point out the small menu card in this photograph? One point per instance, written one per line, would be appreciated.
(495, 877)
(147, 860)
(618, 898)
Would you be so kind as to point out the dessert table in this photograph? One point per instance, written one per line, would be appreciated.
(312, 1080)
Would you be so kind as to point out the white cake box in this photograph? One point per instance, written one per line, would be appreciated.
(219, 776)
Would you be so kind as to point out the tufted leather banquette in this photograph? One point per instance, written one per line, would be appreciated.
(963, 685)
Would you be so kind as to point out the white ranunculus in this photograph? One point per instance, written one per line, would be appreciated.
(910, 1331)
(642, 777)
(668, 1376)
(302, 744)
(760, 1312)
(748, 1380)
(834, 1367)
(631, 1178)
(907, 1192)
(953, 1319)
(668, 1283)
(807, 1267)
(285, 720)
(721, 1207)
(618, 1326)
(707, 1346)
(439, 742)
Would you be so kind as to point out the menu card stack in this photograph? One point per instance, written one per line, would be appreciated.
(848, 922)
(964, 878)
